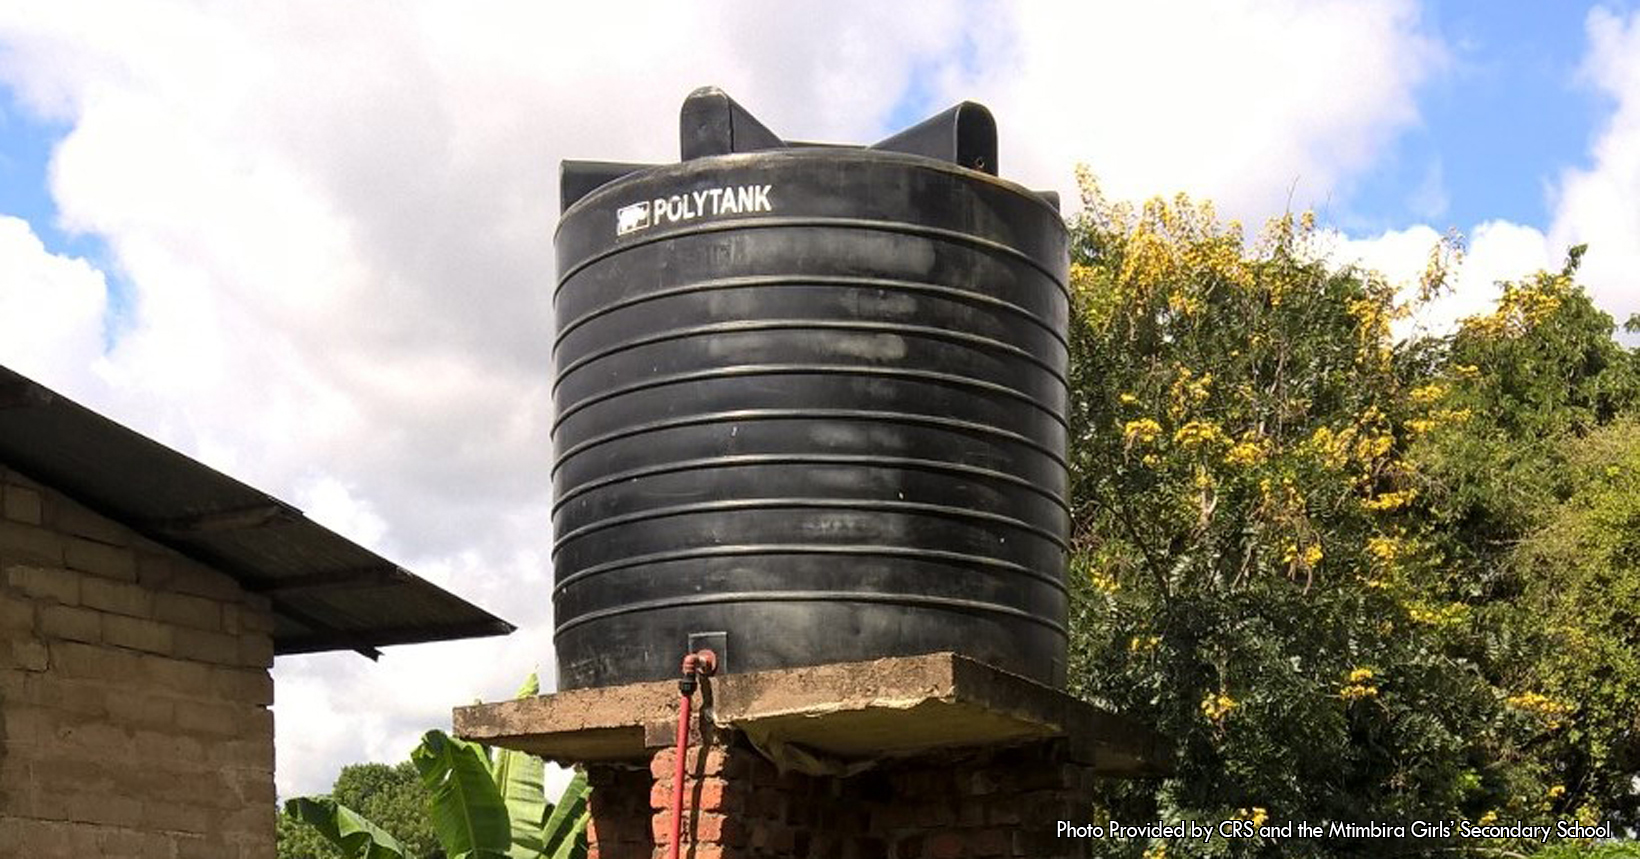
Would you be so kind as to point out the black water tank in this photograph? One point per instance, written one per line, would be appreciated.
(812, 397)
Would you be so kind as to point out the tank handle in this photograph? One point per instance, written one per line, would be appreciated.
(712, 123)
(965, 135)
(576, 179)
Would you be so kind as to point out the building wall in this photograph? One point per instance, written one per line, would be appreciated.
(134, 693)
(982, 803)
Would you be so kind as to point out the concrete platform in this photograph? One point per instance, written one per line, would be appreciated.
(854, 712)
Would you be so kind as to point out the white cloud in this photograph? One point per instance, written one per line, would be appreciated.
(1597, 205)
(1496, 251)
(336, 220)
(51, 307)
(1600, 205)
(1253, 104)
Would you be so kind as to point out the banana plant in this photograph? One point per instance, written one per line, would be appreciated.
(482, 806)
(355, 836)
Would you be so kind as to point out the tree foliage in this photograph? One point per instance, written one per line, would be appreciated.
(455, 798)
(391, 797)
(1333, 565)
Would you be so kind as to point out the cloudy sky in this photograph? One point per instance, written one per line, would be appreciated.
(309, 243)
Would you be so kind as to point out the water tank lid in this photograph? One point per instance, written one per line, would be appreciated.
(711, 123)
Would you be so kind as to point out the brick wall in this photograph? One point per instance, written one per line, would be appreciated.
(134, 693)
(999, 803)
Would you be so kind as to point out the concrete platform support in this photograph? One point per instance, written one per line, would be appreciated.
(999, 803)
(922, 757)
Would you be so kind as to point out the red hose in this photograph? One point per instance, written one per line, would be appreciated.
(677, 777)
(703, 664)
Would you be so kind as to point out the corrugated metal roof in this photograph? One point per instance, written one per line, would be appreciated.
(328, 592)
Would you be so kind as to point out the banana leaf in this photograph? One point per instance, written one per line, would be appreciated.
(344, 828)
(468, 814)
(521, 779)
(564, 835)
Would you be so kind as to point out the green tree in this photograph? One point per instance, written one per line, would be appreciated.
(468, 801)
(1532, 501)
(391, 796)
(1289, 549)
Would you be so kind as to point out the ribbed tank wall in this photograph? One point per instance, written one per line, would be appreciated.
(830, 423)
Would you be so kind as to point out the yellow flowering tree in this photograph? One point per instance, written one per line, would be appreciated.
(1265, 560)
(1530, 473)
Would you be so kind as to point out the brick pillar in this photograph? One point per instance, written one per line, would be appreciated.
(619, 810)
(987, 803)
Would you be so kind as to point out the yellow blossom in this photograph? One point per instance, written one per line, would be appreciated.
(1309, 556)
(1143, 430)
(1449, 614)
(1390, 500)
(1128, 399)
(1385, 549)
(1217, 706)
(1244, 453)
(1197, 433)
(1143, 642)
(1373, 446)
(1542, 705)
(1427, 394)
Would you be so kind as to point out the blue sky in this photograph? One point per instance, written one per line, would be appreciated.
(1509, 113)
(1497, 125)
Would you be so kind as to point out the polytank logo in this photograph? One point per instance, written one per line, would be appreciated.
(711, 203)
(631, 218)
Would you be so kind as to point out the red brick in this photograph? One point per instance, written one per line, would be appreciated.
(982, 782)
(991, 842)
(947, 845)
(935, 812)
(715, 794)
(707, 761)
(660, 793)
(1004, 812)
(660, 766)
